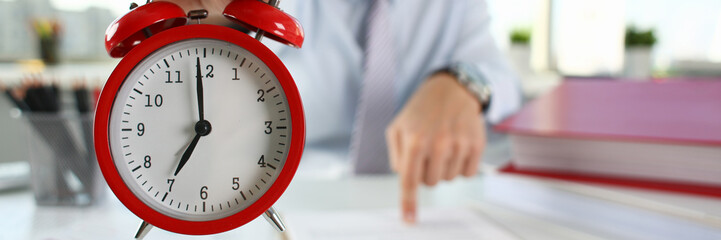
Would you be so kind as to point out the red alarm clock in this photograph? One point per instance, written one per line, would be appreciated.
(200, 128)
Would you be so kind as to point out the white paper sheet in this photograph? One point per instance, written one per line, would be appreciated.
(457, 224)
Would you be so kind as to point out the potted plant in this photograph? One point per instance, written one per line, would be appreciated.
(637, 58)
(520, 50)
(48, 33)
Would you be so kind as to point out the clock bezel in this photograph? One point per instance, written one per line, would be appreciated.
(118, 77)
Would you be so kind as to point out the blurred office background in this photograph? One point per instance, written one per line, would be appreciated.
(545, 40)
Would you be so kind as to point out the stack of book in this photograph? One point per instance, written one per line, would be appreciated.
(663, 135)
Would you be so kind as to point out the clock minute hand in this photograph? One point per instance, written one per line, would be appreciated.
(187, 153)
(199, 87)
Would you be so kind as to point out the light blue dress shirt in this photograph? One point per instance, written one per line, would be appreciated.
(429, 35)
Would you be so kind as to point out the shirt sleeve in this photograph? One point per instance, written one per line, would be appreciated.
(477, 50)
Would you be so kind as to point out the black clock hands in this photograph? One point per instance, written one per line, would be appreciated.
(199, 87)
(202, 127)
(187, 153)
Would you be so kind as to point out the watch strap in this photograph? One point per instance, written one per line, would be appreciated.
(473, 82)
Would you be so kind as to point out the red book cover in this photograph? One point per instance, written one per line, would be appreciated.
(661, 111)
(693, 189)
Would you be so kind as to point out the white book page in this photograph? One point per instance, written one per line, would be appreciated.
(457, 224)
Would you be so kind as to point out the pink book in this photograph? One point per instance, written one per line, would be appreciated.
(660, 134)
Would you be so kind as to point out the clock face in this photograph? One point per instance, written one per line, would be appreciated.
(153, 121)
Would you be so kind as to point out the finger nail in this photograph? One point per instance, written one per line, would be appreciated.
(409, 217)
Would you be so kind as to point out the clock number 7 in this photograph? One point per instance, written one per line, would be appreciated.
(170, 181)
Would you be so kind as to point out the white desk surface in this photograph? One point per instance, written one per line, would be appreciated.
(21, 219)
(487, 196)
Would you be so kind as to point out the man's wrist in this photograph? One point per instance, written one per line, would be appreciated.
(473, 83)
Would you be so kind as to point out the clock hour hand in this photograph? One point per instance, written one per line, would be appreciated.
(199, 87)
(202, 128)
(186, 154)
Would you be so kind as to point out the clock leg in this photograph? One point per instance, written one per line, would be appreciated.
(143, 230)
(274, 219)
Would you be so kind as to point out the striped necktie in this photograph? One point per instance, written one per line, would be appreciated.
(376, 103)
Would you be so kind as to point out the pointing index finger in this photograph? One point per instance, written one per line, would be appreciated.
(410, 170)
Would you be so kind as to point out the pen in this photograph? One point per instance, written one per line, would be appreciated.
(13, 99)
(81, 99)
(32, 96)
(52, 96)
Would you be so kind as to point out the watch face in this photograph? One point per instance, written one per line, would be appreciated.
(193, 170)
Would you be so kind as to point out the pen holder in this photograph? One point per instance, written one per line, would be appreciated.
(63, 168)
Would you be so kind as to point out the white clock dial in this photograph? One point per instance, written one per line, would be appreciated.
(153, 119)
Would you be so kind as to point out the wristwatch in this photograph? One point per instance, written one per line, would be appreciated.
(476, 84)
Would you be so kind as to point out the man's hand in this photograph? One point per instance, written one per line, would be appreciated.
(439, 134)
(213, 6)
(215, 9)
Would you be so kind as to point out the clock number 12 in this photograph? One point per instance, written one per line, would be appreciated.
(210, 73)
